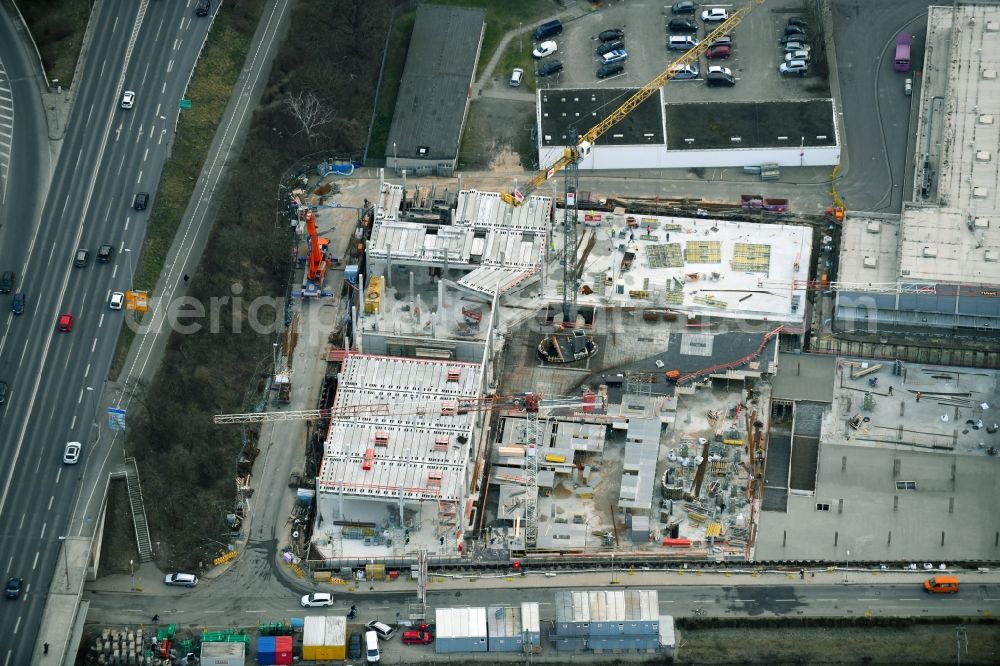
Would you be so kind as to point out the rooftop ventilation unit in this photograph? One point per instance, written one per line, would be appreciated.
(873, 227)
(871, 262)
(930, 251)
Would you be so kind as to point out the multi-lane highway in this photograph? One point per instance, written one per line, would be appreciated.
(106, 155)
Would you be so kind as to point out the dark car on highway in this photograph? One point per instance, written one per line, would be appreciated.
(551, 67)
(17, 305)
(14, 587)
(611, 34)
(682, 25)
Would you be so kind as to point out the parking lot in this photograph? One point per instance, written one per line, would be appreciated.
(754, 61)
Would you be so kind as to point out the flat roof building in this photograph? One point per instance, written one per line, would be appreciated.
(657, 135)
(398, 439)
(871, 461)
(433, 96)
(937, 269)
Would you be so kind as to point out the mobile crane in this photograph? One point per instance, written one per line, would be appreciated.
(318, 261)
(580, 151)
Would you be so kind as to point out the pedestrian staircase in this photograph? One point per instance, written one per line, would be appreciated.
(138, 511)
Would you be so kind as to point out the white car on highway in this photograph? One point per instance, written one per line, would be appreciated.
(71, 454)
(117, 300)
(128, 99)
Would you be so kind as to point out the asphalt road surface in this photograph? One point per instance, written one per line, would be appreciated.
(876, 113)
(107, 155)
(240, 605)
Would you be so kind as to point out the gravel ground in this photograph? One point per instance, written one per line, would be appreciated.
(922, 644)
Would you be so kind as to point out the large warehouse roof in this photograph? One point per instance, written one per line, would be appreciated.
(959, 241)
(775, 124)
(434, 91)
(563, 110)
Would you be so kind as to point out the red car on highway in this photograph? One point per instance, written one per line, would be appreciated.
(65, 322)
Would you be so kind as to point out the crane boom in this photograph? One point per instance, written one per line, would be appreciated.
(586, 142)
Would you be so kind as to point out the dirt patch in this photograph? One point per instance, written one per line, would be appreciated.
(497, 136)
(920, 644)
(118, 545)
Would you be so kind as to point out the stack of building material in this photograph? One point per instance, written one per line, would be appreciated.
(223, 654)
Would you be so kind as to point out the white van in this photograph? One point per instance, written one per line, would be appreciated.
(371, 647)
(681, 42)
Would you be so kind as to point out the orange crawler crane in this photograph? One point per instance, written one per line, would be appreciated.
(319, 261)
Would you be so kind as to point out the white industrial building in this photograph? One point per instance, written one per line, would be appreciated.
(658, 135)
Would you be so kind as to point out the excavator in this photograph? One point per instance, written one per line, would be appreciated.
(318, 260)
(585, 144)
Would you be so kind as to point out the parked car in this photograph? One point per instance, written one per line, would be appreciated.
(384, 631)
(795, 37)
(800, 67)
(794, 30)
(116, 301)
(545, 49)
(354, 646)
(65, 322)
(549, 68)
(681, 42)
(608, 47)
(684, 7)
(516, 76)
(723, 40)
(128, 99)
(799, 21)
(13, 589)
(181, 579)
(797, 55)
(71, 454)
(610, 69)
(417, 636)
(621, 55)
(715, 14)
(684, 72)
(719, 76)
(719, 52)
(796, 46)
(611, 34)
(682, 25)
(317, 600)
(17, 305)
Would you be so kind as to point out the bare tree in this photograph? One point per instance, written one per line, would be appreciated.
(310, 112)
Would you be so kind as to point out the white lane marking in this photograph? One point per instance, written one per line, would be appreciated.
(93, 345)
(52, 499)
(44, 527)
(86, 373)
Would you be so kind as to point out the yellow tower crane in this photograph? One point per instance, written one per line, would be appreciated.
(585, 143)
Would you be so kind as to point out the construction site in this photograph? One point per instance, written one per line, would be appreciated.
(512, 373)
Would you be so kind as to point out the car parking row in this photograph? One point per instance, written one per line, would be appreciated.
(796, 47)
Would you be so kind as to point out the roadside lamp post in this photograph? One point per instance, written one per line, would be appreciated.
(847, 564)
(395, 159)
(131, 279)
(131, 573)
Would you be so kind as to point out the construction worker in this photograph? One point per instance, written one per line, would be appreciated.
(918, 396)
(45, 649)
(890, 390)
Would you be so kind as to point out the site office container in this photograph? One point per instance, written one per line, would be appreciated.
(274, 650)
(324, 638)
(901, 63)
